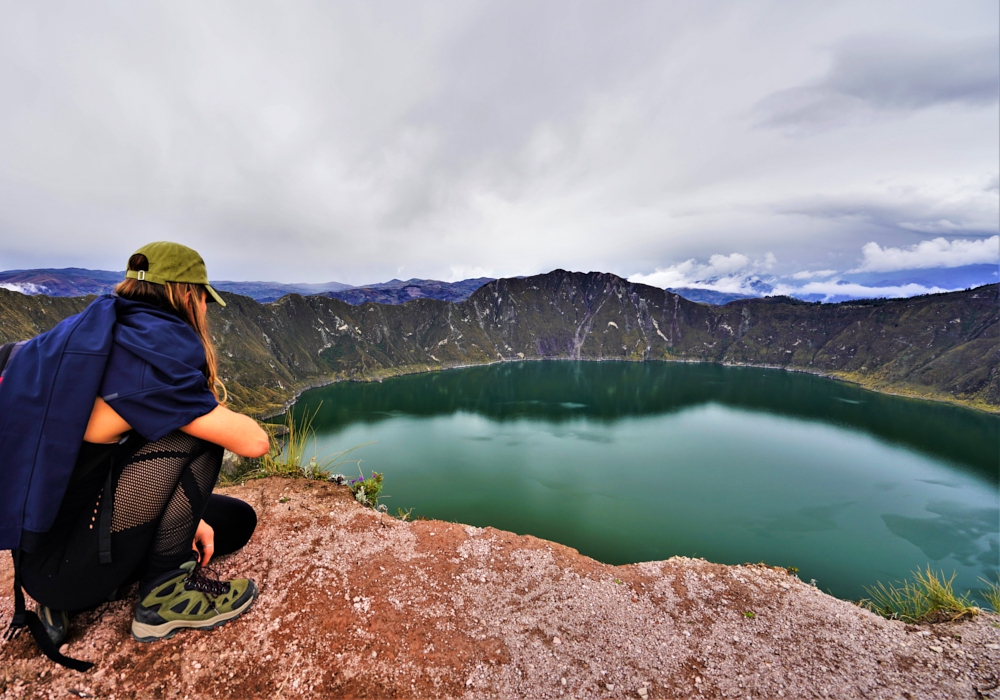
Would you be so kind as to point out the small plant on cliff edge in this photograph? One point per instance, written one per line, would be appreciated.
(992, 594)
(366, 489)
(930, 598)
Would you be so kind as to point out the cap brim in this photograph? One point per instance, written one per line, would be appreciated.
(214, 295)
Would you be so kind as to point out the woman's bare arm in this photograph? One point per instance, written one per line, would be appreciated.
(234, 431)
(105, 425)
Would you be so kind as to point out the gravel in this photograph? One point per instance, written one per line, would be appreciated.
(357, 604)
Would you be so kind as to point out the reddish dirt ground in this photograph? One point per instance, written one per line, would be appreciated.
(357, 604)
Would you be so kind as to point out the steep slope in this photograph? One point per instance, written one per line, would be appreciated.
(943, 346)
(355, 604)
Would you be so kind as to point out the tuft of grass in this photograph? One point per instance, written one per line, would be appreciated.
(992, 594)
(929, 598)
(293, 453)
(749, 614)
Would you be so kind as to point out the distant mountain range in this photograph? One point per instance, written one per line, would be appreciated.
(75, 281)
(399, 292)
(835, 288)
(831, 287)
(708, 296)
(943, 346)
(67, 282)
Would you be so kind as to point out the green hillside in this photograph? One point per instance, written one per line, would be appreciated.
(944, 346)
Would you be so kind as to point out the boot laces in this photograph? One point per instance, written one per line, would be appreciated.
(204, 580)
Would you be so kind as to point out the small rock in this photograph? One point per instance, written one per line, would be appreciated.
(993, 646)
(556, 641)
(786, 586)
(923, 633)
(482, 579)
(610, 686)
(642, 692)
(196, 664)
(563, 681)
(936, 650)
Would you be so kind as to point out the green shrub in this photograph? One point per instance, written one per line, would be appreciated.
(367, 489)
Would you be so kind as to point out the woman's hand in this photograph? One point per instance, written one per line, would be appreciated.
(204, 542)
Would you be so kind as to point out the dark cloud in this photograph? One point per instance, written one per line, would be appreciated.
(955, 208)
(878, 76)
(359, 141)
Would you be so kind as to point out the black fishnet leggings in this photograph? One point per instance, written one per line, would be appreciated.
(166, 483)
(161, 490)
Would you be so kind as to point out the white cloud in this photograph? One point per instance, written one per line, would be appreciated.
(615, 137)
(24, 287)
(832, 289)
(938, 252)
(810, 274)
(731, 273)
(459, 273)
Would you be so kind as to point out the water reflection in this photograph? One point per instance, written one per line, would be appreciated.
(560, 391)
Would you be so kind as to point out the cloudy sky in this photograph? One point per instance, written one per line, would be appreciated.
(670, 142)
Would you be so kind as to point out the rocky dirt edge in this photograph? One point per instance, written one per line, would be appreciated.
(355, 604)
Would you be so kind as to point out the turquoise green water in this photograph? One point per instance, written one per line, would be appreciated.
(632, 462)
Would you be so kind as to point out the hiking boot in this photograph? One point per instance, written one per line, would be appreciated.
(55, 622)
(187, 598)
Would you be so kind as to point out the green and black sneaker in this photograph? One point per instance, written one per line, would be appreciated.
(187, 598)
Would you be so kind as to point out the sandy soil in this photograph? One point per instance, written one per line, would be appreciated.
(355, 604)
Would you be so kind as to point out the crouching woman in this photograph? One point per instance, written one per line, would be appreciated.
(131, 479)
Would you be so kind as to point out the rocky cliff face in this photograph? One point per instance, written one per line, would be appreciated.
(944, 346)
(356, 604)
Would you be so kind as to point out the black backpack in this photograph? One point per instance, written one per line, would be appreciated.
(22, 617)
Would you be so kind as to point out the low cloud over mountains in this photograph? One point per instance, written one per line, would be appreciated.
(927, 267)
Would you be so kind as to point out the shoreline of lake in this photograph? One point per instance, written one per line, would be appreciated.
(847, 378)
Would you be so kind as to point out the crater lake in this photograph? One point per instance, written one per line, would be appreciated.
(630, 462)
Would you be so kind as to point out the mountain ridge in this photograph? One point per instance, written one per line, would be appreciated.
(942, 346)
(78, 281)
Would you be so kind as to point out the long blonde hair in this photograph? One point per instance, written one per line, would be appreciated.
(184, 299)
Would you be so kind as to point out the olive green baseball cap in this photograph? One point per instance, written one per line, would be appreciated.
(173, 262)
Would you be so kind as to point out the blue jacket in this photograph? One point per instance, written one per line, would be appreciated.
(48, 393)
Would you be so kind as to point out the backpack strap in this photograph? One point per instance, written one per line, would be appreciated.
(5, 351)
(24, 617)
(104, 527)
